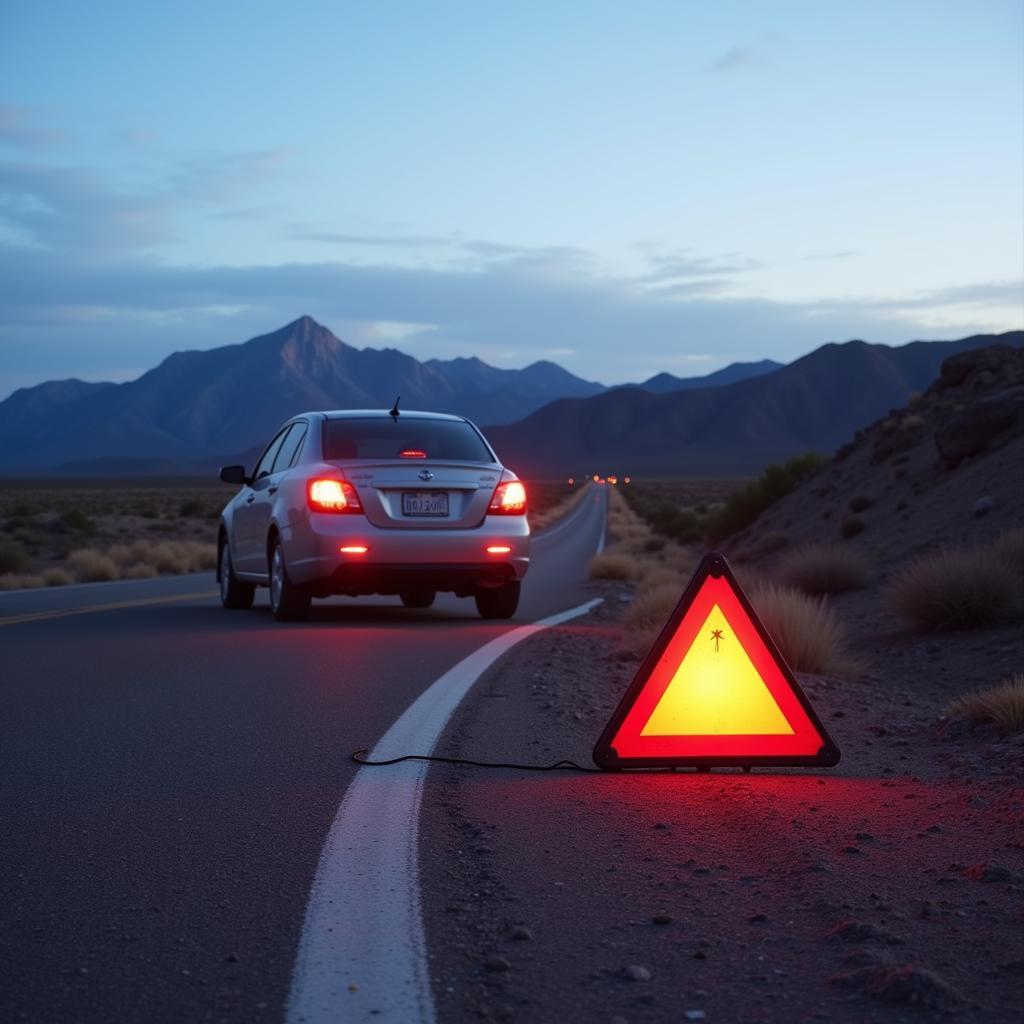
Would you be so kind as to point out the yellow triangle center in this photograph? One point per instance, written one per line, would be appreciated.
(716, 691)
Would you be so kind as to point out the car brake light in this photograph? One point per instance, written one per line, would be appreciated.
(509, 499)
(498, 549)
(354, 549)
(412, 453)
(332, 495)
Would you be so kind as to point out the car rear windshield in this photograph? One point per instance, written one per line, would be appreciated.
(408, 438)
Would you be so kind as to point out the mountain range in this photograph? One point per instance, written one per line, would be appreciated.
(813, 404)
(198, 408)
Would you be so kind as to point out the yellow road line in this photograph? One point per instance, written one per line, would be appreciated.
(60, 613)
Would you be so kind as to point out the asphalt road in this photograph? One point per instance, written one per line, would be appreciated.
(169, 770)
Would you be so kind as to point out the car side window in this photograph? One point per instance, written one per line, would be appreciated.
(263, 467)
(289, 449)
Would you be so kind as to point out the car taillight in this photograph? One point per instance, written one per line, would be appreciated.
(412, 453)
(509, 499)
(332, 495)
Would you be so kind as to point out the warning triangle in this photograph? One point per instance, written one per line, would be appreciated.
(714, 690)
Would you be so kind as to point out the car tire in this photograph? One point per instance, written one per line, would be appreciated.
(418, 598)
(233, 593)
(288, 601)
(498, 602)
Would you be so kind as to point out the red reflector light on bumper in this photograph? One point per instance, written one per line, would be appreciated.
(354, 549)
(498, 549)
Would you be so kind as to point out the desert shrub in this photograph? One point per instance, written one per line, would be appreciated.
(912, 422)
(1002, 705)
(654, 574)
(851, 526)
(191, 508)
(13, 557)
(654, 604)
(860, 502)
(825, 569)
(139, 571)
(961, 587)
(806, 630)
(14, 581)
(1010, 547)
(57, 577)
(78, 522)
(681, 524)
(742, 507)
(612, 565)
(90, 566)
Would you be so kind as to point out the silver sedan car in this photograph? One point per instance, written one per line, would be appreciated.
(370, 502)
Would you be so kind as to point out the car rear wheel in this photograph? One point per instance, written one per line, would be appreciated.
(233, 593)
(498, 602)
(418, 598)
(288, 601)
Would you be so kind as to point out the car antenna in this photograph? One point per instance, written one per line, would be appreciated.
(394, 409)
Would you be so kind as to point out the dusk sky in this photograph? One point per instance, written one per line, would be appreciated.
(622, 188)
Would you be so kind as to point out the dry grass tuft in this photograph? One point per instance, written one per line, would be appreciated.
(963, 587)
(139, 571)
(825, 569)
(612, 565)
(13, 557)
(90, 566)
(14, 581)
(805, 629)
(1002, 705)
(653, 605)
(57, 577)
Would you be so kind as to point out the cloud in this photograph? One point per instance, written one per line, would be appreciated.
(19, 129)
(72, 315)
(75, 209)
(840, 254)
(739, 58)
(747, 56)
(373, 241)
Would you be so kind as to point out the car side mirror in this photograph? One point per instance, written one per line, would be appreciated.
(233, 475)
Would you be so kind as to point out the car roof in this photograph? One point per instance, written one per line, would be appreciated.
(343, 414)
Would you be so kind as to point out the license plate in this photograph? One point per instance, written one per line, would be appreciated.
(424, 503)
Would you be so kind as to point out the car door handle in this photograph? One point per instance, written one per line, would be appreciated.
(250, 499)
(272, 490)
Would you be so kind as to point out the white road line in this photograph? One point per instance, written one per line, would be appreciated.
(604, 524)
(362, 955)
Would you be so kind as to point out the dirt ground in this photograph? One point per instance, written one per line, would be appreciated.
(887, 889)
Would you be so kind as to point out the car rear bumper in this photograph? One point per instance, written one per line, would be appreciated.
(402, 560)
(382, 578)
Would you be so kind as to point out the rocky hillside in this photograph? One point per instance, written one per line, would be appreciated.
(945, 469)
(813, 404)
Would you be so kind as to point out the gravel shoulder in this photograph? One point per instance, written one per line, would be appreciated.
(887, 889)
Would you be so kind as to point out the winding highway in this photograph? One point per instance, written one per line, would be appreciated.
(170, 773)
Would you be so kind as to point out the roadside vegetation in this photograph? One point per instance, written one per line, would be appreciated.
(962, 588)
(807, 630)
(824, 569)
(708, 511)
(57, 532)
(1001, 706)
